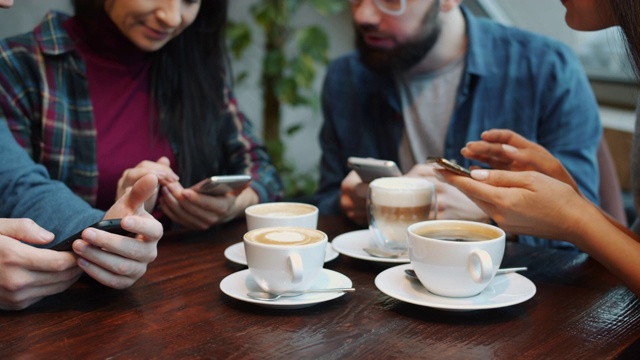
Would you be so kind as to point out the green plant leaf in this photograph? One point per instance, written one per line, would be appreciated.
(293, 129)
(239, 37)
(328, 7)
(274, 61)
(313, 41)
(303, 71)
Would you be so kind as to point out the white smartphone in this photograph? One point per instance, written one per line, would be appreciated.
(370, 169)
(220, 185)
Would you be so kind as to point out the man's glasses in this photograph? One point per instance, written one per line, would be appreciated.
(391, 7)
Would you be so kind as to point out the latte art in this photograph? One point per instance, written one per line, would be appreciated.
(285, 236)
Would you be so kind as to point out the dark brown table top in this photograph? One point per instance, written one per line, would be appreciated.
(177, 310)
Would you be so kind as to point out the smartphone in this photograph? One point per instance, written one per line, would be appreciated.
(449, 165)
(370, 169)
(112, 226)
(220, 185)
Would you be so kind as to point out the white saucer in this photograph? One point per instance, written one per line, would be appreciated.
(504, 290)
(236, 254)
(351, 244)
(238, 284)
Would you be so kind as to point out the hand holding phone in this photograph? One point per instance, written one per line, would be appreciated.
(220, 185)
(370, 169)
(449, 165)
(112, 226)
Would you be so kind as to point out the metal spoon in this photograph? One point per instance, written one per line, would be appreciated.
(266, 296)
(384, 253)
(412, 273)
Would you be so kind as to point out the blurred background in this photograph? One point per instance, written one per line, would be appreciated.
(301, 118)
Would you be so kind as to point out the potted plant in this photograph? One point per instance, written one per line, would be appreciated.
(292, 56)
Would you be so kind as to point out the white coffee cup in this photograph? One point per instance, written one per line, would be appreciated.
(455, 258)
(285, 258)
(393, 204)
(281, 214)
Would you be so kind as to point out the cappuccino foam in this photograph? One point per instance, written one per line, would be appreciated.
(280, 210)
(401, 192)
(286, 236)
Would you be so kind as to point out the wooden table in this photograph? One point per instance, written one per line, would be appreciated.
(177, 311)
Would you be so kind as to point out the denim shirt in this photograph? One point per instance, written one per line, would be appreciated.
(513, 79)
(26, 191)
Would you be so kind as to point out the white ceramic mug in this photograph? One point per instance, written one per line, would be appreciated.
(455, 258)
(281, 214)
(394, 203)
(285, 258)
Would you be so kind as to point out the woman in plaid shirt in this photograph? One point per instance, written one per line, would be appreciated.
(130, 87)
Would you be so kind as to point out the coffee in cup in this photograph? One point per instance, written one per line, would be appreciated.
(394, 203)
(455, 258)
(281, 214)
(285, 258)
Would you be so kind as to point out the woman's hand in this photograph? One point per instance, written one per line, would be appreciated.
(524, 202)
(506, 150)
(161, 169)
(199, 211)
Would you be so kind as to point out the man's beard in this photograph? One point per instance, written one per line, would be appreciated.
(404, 56)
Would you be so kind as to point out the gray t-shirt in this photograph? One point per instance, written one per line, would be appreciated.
(428, 102)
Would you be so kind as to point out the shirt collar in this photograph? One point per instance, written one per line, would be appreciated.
(51, 36)
(479, 56)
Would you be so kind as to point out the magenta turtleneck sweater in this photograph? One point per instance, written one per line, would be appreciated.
(118, 76)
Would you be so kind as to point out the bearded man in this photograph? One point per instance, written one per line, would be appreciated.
(427, 77)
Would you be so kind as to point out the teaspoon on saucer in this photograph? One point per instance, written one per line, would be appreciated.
(412, 273)
(266, 296)
(384, 253)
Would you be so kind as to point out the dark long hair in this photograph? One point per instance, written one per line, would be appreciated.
(627, 14)
(188, 77)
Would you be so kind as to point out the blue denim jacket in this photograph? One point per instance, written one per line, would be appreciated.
(513, 79)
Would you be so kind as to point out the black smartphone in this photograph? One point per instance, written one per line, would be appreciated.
(449, 165)
(220, 185)
(370, 169)
(112, 226)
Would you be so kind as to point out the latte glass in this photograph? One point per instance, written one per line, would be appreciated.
(393, 204)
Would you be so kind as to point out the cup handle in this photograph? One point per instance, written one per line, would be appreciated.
(295, 263)
(480, 266)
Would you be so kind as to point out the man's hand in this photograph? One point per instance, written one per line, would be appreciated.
(119, 261)
(28, 274)
(353, 198)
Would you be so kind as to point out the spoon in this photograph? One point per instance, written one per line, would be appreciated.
(267, 296)
(412, 273)
(384, 253)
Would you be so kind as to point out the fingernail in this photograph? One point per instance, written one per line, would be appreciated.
(79, 246)
(128, 223)
(509, 148)
(83, 263)
(45, 235)
(89, 235)
(480, 174)
(439, 175)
